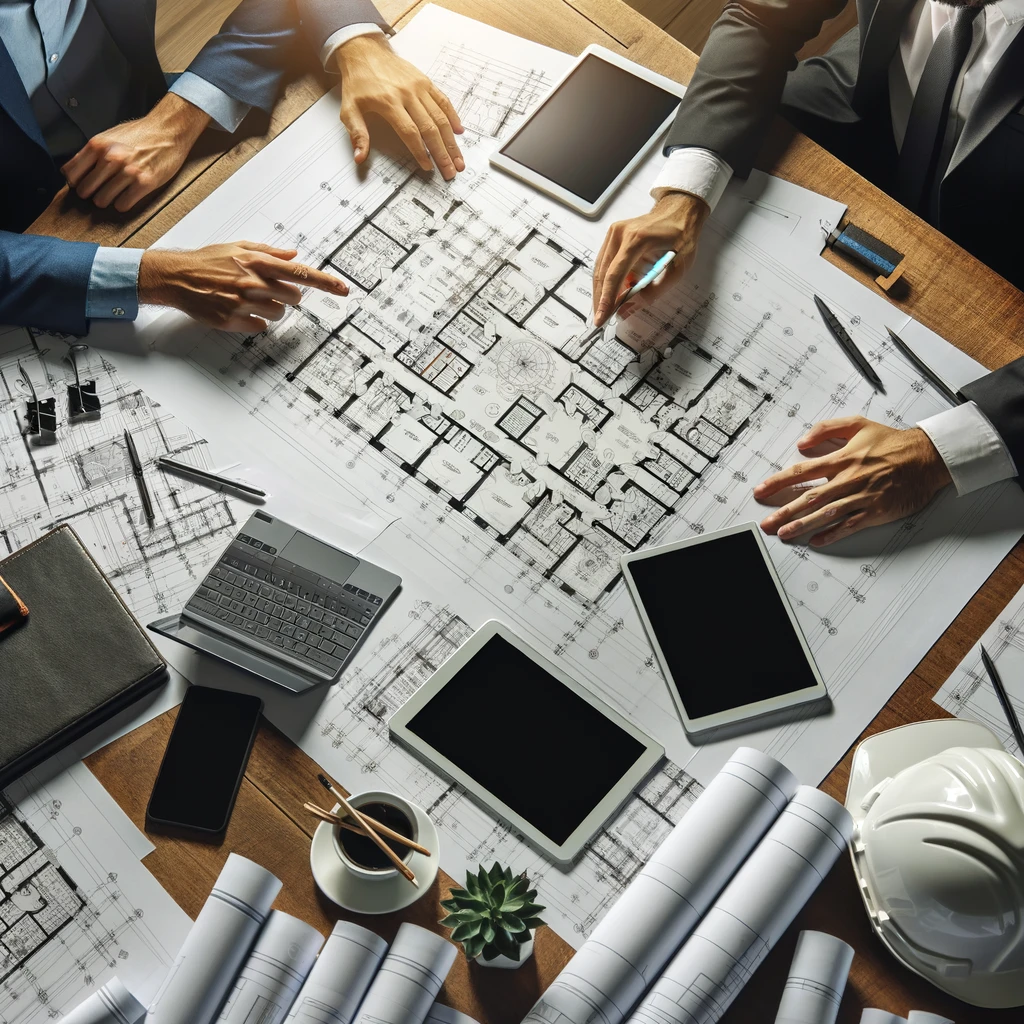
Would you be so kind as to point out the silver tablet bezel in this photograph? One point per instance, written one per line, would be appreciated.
(565, 853)
(531, 177)
(745, 712)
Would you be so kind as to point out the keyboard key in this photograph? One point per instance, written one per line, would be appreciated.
(316, 613)
(302, 607)
(263, 618)
(225, 601)
(300, 635)
(266, 591)
(277, 641)
(290, 601)
(303, 622)
(289, 645)
(330, 620)
(343, 643)
(288, 629)
(327, 647)
(353, 631)
(374, 599)
(236, 607)
(301, 648)
(262, 632)
(288, 615)
(365, 619)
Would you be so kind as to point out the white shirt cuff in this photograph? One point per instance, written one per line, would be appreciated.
(699, 172)
(970, 446)
(225, 111)
(342, 36)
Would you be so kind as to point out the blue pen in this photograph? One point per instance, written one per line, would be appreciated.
(649, 278)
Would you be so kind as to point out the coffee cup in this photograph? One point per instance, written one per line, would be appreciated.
(359, 853)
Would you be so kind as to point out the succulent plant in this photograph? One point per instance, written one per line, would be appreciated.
(494, 914)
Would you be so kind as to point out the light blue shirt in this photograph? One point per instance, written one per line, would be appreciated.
(76, 78)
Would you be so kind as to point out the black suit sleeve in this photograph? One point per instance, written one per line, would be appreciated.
(736, 88)
(1000, 396)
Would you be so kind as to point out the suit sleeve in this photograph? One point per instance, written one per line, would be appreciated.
(1000, 396)
(44, 282)
(322, 18)
(248, 57)
(736, 88)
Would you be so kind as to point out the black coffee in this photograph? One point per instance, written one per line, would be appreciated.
(364, 851)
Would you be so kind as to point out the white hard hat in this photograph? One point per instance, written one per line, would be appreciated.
(938, 849)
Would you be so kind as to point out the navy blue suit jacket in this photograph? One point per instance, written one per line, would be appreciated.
(43, 280)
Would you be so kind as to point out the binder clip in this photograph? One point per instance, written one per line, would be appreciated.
(83, 402)
(40, 414)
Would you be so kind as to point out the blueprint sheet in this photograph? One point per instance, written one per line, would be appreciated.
(454, 396)
(76, 905)
(968, 692)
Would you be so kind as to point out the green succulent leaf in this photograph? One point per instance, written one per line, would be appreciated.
(507, 945)
(466, 930)
(483, 883)
(487, 931)
(497, 896)
(472, 884)
(519, 887)
(460, 917)
(512, 923)
(513, 904)
(496, 874)
(491, 953)
(474, 947)
(522, 937)
(532, 922)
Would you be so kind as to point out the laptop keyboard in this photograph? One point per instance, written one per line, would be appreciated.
(276, 603)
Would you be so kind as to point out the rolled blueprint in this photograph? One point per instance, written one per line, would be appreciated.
(340, 977)
(271, 977)
(817, 977)
(111, 1004)
(662, 905)
(872, 1016)
(409, 978)
(446, 1015)
(747, 919)
(217, 945)
(924, 1017)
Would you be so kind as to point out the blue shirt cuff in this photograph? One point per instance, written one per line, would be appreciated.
(225, 111)
(113, 292)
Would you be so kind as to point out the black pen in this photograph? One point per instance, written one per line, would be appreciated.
(838, 332)
(948, 392)
(206, 477)
(1004, 700)
(140, 480)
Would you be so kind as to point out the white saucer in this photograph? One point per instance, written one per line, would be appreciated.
(339, 883)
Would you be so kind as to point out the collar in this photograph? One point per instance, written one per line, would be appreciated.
(1011, 10)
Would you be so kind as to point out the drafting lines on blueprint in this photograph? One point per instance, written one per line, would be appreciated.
(463, 360)
(353, 724)
(76, 906)
(491, 96)
(84, 478)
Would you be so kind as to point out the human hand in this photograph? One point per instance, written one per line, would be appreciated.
(375, 80)
(129, 161)
(673, 224)
(878, 475)
(237, 286)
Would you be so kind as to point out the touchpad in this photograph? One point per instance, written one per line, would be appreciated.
(316, 556)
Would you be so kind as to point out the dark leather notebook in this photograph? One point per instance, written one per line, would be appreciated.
(78, 659)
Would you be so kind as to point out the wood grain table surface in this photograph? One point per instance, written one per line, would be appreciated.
(948, 291)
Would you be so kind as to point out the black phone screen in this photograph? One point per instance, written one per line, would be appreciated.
(204, 760)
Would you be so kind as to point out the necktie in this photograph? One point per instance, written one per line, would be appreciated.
(929, 112)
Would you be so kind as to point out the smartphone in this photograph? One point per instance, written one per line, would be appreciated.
(203, 763)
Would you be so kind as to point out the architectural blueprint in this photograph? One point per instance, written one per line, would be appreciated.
(459, 394)
(968, 692)
(84, 479)
(816, 980)
(76, 905)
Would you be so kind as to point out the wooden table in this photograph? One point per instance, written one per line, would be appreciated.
(949, 291)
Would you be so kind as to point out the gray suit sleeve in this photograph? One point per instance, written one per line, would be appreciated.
(322, 18)
(1000, 396)
(736, 88)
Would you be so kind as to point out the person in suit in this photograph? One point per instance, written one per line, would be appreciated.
(83, 101)
(926, 99)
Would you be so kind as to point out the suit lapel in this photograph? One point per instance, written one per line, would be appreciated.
(1002, 93)
(14, 99)
(878, 44)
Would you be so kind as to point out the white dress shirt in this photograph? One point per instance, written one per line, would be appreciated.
(973, 451)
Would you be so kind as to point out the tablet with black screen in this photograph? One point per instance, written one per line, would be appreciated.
(526, 741)
(722, 628)
(592, 129)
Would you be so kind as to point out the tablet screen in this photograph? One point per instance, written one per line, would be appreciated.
(529, 740)
(721, 625)
(590, 127)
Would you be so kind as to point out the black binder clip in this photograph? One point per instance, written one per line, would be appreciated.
(83, 402)
(40, 415)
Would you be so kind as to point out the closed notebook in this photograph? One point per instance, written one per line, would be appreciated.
(78, 658)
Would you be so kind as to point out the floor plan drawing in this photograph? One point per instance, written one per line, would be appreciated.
(83, 477)
(459, 394)
(76, 906)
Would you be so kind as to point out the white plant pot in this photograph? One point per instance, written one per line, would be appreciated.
(507, 963)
